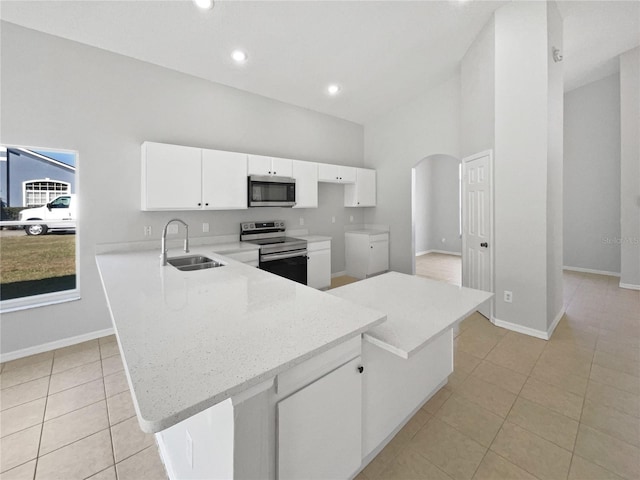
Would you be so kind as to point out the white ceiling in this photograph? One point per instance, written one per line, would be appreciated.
(382, 53)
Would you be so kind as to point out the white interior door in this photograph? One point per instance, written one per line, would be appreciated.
(477, 224)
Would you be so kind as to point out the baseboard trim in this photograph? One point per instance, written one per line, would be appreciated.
(520, 329)
(338, 274)
(444, 252)
(45, 347)
(629, 286)
(591, 270)
(556, 320)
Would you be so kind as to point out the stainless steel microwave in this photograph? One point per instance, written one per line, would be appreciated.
(270, 191)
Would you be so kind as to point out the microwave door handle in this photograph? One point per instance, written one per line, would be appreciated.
(270, 257)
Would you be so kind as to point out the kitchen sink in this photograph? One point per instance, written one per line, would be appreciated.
(187, 263)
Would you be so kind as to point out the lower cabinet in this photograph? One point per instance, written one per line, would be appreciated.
(320, 427)
(366, 253)
(319, 264)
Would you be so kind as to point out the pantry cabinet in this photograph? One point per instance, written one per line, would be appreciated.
(176, 177)
(362, 193)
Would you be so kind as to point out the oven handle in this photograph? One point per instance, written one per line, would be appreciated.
(269, 257)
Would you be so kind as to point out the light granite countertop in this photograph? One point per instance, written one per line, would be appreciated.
(190, 340)
(418, 309)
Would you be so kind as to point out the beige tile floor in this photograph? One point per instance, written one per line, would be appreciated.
(516, 407)
(68, 414)
(440, 266)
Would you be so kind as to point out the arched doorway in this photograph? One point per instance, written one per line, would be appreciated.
(436, 218)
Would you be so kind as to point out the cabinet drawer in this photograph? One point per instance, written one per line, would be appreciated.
(313, 246)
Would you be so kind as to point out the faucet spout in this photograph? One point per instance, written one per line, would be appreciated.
(163, 253)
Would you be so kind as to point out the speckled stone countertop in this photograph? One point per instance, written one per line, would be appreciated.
(313, 238)
(190, 340)
(418, 309)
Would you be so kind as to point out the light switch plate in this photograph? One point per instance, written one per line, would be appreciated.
(205, 227)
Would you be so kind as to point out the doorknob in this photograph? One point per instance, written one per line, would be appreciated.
(484, 244)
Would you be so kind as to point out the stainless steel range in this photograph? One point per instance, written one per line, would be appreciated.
(279, 254)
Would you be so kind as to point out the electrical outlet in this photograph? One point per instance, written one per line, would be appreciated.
(351, 218)
(508, 296)
(333, 219)
(443, 240)
(147, 230)
(189, 451)
(172, 229)
(205, 227)
(301, 221)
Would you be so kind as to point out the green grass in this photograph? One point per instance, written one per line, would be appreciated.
(34, 265)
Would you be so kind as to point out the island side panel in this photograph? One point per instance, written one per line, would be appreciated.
(395, 388)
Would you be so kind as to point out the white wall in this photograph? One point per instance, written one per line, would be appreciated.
(61, 94)
(394, 143)
(477, 103)
(555, 135)
(438, 205)
(521, 150)
(630, 168)
(592, 176)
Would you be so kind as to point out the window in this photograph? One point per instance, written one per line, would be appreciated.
(38, 242)
(41, 192)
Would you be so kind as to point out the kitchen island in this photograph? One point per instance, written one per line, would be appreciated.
(243, 374)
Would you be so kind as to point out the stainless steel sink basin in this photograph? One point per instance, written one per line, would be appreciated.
(187, 263)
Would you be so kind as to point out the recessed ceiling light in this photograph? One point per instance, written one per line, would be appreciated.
(204, 4)
(239, 56)
(333, 89)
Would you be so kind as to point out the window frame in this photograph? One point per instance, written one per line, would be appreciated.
(48, 192)
(63, 296)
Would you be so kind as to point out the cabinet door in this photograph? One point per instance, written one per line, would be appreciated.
(306, 175)
(281, 167)
(328, 173)
(320, 427)
(224, 180)
(259, 165)
(171, 177)
(366, 187)
(378, 257)
(319, 269)
(348, 174)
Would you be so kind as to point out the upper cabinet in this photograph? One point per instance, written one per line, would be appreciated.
(336, 173)
(306, 175)
(175, 177)
(224, 180)
(261, 165)
(363, 192)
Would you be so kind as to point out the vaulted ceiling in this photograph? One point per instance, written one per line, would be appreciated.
(381, 53)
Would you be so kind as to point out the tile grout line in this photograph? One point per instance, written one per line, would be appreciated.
(44, 413)
(113, 452)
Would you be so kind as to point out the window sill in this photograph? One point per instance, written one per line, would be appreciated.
(36, 301)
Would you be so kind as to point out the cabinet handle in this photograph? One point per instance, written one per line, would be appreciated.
(360, 368)
(274, 172)
(206, 204)
(370, 246)
(199, 204)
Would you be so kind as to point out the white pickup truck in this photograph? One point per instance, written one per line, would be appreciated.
(59, 214)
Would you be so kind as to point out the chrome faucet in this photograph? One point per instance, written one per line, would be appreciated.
(163, 255)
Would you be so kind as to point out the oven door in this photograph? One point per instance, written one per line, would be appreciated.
(266, 191)
(291, 265)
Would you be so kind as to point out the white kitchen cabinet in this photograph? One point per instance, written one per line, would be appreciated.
(187, 178)
(261, 165)
(171, 177)
(224, 180)
(319, 264)
(336, 173)
(362, 193)
(320, 427)
(306, 175)
(367, 253)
